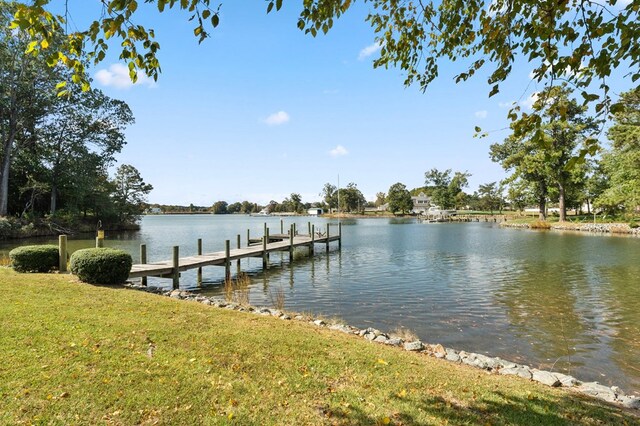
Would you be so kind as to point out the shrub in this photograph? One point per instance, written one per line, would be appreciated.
(540, 224)
(41, 258)
(101, 265)
(633, 224)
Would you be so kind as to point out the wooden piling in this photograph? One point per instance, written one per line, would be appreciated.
(62, 253)
(281, 226)
(313, 239)
(176, 267)
(328, 226)
(265, 258)
(199, 275)
(293, 227)
(143, 260)
(238, 263)
(227, 261)
(340, 236)
(309, 227)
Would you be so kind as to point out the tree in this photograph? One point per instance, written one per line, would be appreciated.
(296, 202)
(83, 124)
(622, 162)
(219, 207)
(579, 42)
(446, 191)
(381, 199)
(564, 129)
(399, 198)
(351, 199)
(26, 93)
(490, 196)
(329, 195)
(130, 192)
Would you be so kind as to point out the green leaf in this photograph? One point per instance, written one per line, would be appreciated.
(278, 4)
(61, 85)
(270, 7)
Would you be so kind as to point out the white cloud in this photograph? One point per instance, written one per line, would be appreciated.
(277, 118)
(481, 114)
(528, 103)
(506, 104)
(118, 76)
(338, 151)
(369, 50)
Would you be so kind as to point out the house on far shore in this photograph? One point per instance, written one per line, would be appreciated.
(315, 211)
(421, 203)
(154, 210)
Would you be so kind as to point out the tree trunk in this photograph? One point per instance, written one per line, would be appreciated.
(6, 166)
(561, 204)
(54, 197)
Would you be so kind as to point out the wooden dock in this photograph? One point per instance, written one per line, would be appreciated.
(256, 247)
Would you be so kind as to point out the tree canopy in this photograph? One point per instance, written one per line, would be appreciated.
(581, 42)
(399, 199)
(565, 128)
(621, 163)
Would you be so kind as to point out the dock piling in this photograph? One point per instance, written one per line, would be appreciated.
(265, 238)
(313, 239)
(143, 260)
(238, 263)
(293, 227)
(199, 276)
(340, 236)
(227, 262)
(328, 227)
(62, 253)
(176, 267)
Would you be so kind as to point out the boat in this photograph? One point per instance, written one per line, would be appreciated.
(262, 213)
(435, 214)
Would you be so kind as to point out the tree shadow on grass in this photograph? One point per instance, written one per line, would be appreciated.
(501, 410)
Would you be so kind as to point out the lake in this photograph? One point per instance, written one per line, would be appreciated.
(566, 302)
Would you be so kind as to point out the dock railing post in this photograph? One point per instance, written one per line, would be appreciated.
(143, 260)
(293, 228)
(281, 226)
(248, 237)
(313, 239)
(340, 236)
(238, 263)
(62, 253)
(309, 228)
(176, 267)
(199, 275)
(227, 261)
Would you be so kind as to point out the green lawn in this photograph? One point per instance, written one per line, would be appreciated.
(79, 354)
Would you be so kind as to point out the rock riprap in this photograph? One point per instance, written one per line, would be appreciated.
(493, 364)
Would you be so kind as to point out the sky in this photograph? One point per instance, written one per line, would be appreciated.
(260, 110)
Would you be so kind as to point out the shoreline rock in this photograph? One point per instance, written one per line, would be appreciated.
(594, 228)
(495, 365)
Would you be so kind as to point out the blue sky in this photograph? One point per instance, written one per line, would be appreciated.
(260, 110)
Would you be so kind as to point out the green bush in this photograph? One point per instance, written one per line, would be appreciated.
(42, 258)
(633, 224)
(101, 265)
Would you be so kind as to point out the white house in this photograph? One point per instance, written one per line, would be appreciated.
(315, 211)
(421, 203)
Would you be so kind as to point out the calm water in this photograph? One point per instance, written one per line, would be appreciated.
(560, 301)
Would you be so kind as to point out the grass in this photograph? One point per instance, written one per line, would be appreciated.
(237, 290)
(79, 354)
